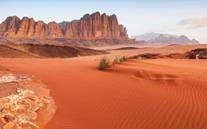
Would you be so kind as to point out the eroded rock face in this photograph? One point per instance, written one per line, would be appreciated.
(25, 103)
(10, 26)
(200, 53)
(94, 26)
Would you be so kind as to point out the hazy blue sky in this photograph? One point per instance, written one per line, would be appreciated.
(188, 17)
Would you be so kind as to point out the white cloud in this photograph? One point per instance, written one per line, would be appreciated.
(195, 22)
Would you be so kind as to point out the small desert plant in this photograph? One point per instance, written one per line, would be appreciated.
(116, 60)
(103, 64)
(119, 60)
(125, 58)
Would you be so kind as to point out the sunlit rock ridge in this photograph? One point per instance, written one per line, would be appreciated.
(89, 27)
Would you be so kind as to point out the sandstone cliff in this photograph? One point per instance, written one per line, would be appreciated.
(89, 27)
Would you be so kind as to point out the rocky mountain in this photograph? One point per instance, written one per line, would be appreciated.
(89, 27)
(165, 38)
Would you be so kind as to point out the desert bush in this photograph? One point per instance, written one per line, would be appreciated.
(116, 60)
(125, 58)
(103, 64)
(119, 60)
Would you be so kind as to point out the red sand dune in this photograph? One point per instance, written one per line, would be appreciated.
(150, 94)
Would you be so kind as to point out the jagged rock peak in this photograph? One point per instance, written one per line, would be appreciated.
(94, 26)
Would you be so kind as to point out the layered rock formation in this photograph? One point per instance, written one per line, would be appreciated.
(95, 26)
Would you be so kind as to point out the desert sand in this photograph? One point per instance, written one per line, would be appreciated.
(138, 94)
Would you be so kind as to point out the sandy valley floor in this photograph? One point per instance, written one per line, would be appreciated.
(138, 94)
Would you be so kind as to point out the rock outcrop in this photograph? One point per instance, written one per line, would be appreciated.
(199, 53)
(89, 27)
(25, 103)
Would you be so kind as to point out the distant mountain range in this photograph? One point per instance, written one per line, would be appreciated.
(165, 38)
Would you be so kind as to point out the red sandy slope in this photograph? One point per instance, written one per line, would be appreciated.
(152, 94)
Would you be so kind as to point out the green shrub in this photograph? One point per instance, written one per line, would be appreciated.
(103, 64)
(119, 60)
(125, 58)
(116, 60)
